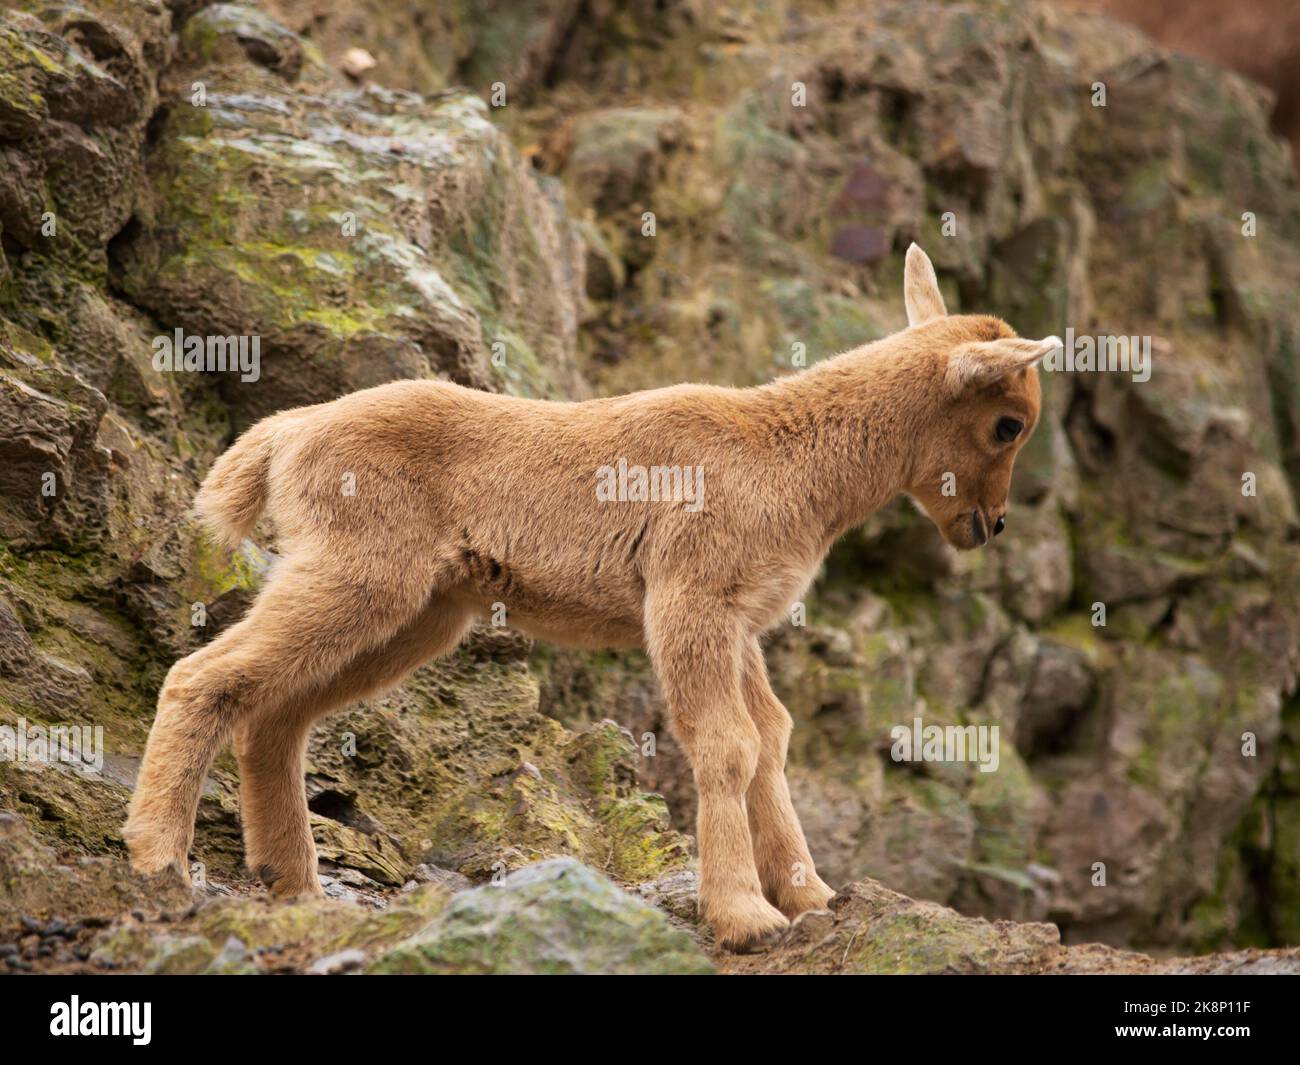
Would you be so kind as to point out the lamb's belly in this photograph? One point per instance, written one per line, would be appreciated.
(588, 635)
(562, 609)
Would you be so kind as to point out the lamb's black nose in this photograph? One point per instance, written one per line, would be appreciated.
(999, 525)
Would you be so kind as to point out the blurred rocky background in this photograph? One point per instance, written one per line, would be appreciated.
(467, 190)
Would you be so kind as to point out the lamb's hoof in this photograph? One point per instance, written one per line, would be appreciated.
(154, 864)
(289, 887)
(748, 925)
(173, 872)
(760, 942)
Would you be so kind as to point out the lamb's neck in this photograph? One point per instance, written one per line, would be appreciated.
(848, 425)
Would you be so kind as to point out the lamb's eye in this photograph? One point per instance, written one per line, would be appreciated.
(1009, 429)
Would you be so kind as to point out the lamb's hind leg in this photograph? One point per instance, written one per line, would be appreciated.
(270, 744)
(310, 620)
(780, 851)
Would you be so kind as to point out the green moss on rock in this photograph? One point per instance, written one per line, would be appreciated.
(553, 918)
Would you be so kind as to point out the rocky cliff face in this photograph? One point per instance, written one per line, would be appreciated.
(663, 192)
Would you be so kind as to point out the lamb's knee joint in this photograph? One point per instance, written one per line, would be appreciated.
(725, 763)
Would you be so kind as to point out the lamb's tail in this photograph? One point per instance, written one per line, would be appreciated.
(233, 495)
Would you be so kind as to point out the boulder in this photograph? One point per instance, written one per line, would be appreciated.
(553, 918)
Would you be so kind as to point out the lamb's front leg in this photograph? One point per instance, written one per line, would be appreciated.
(698, 665)
(780, 851)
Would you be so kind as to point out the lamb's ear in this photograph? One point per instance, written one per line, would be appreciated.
(984, 361)
(921, 288)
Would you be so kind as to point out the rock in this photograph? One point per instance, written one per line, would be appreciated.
(1060, 689)
(54, 471)
(872, 930)
(33, 881)
(363, 256)
(1038, 579)
(677, 894)
(858, 244)
(244, 936)
(432, 874)
(555, 917)
(233, 960)
(76, 90)
(224, 32)
(615, 158)
(427, 49)
(414, 791)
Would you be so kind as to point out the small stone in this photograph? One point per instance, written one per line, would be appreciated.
(337, 963)
(434, 874)
(233, 959)
(357, 62)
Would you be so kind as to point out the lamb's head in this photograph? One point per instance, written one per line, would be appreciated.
(984, 403)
